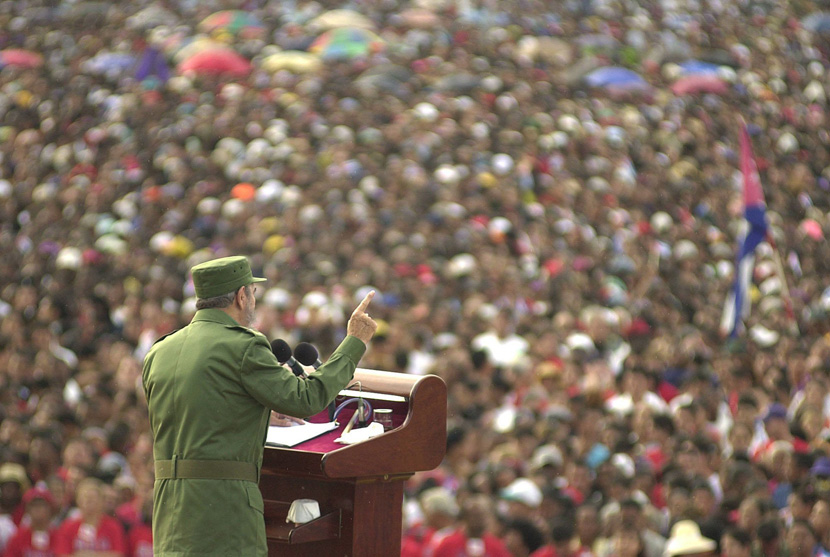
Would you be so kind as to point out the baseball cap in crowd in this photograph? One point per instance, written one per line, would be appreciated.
(549, 369)
(439, 500)
(523, 490)
(686, 539)
(820, 475)
(222, 276)
(546, 455)
(775, 410)
(40, 493)
(13, 472)
(580, 341)
(821, 467)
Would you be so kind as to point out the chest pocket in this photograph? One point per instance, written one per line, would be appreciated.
(254, 497)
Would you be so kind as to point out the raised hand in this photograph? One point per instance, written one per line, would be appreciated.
(360, 324)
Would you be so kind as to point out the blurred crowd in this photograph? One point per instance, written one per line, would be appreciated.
(557, 247)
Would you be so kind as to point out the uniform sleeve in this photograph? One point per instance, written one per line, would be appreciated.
(277, 388)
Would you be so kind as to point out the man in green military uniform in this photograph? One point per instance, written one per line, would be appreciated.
(211, 387)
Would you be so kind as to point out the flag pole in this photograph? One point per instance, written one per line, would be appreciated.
(785, 290)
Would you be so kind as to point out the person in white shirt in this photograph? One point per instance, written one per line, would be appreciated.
(504, 348)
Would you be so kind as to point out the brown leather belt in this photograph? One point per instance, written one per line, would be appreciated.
(206, 470)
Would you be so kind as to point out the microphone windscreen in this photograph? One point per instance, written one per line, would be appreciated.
(306, 354)
(281, 350)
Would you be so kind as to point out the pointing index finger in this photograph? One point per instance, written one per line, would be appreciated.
(365, 303)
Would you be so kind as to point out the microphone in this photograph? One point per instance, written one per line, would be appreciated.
(282, 351)
(362, 417)
(308, 355)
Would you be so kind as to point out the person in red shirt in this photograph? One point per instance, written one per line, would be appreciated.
(140, 535)
(440, 512)
(13, 484)
(564, 542)
(474, 537)
(92, 531)
(35, 537)
(777, 427)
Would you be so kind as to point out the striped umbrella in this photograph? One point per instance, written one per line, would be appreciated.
(345, 43)
(237, 23)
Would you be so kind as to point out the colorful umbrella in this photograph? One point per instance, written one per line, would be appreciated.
(233, 22)
(614, 76)
(20, 58)
(220, 61)
(699, 84)
(698, 67)
(190, 47)
(617, 82)
(340, 18)
(105, 62)
(294, 61)
(345, 43)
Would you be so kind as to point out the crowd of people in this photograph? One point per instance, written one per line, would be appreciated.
(558, 250)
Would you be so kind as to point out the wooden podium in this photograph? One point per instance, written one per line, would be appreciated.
(359, 487)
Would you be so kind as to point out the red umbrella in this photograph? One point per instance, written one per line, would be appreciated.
(20, 58)
(699, 83)
(215, 62)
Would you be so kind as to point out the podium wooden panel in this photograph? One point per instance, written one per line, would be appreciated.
(359, 487)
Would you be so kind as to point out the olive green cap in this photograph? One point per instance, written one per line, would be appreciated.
(222, 276)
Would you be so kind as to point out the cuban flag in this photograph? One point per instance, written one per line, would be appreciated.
(755, 231)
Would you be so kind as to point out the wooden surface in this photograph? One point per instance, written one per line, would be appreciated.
(357, 518)
(326, 527)
(359, 487)
(418, 444)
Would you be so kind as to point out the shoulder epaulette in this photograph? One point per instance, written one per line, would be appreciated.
(161, 338)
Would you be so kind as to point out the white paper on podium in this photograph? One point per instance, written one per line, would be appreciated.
(357, 435)
(290, 436)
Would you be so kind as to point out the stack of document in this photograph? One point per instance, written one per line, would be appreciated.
(292, 435)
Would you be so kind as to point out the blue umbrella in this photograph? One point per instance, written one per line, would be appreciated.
(106, 62)
(817, 22)
(698, 67)
(614, 76)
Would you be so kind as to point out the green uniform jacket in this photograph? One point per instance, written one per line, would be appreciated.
(210, 388)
